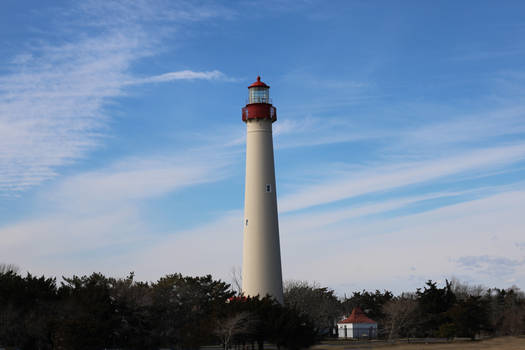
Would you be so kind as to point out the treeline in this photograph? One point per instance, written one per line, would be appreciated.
(99, 312)
(181, 312)
(454, 310)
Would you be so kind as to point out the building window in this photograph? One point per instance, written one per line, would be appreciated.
(246, 222)
(268, 188)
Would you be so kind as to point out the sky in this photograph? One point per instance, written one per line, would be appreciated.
(399, 144)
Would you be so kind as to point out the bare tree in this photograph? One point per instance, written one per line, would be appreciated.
(319, 303)
(5, 268)
(513, 320)
(227, 329)
(463, 290)
(236, 280)
(399, 313)
(512, 317)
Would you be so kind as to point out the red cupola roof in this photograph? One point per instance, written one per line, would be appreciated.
(357, 316)
(258, 83)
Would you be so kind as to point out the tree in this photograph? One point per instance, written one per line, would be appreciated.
(399, 316)
(319, 303)
(5, 268)
(89, 316)
(132, 302)
(12, 301)
(433, 304)
(507, 311)
(228, 328)
(27, 310)
(469, 316)
(292, 329)
(463, 290)
(275, 323)
(186, 309)
(236, 278)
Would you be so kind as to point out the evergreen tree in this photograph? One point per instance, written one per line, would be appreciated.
(433, 304)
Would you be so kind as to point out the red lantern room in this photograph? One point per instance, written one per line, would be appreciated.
(259, 105)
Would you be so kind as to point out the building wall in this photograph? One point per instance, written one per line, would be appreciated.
(357, 330)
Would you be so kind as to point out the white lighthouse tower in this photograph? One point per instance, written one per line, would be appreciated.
(261, 268)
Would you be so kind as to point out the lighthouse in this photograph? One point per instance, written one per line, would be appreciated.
(261, 267)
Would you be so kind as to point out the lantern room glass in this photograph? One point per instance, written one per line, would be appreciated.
(259, 95)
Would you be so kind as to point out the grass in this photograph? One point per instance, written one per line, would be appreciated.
(501, 343)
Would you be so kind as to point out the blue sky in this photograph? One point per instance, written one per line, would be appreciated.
(400, 149)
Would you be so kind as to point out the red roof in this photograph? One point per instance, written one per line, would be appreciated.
(240, 298)
(357, 316)
(258, 83)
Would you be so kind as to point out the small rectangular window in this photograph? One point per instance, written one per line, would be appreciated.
(246, 222)
(268, 188)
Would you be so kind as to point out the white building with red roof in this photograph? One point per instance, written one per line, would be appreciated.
(357, 325)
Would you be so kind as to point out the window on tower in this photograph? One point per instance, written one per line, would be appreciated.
(268, 188)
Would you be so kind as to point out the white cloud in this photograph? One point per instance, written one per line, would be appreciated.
(183, 75)
(399, 253)
(382, 253)
(96, 226)
(384, 177)
(98, 213)
(121, 13)
(140, 178)
(212, 248)
(51, 109)
(308, 131)
(52, 101)
(68, 233)
(491, 265)
(323, 219)
(405, 130)
(467, 129)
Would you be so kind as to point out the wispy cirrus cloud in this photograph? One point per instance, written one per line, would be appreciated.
(309, 131)
(387, 177)
(97, 211)
(53, 97)
(520, 245)
(183, 75)
(468, 130)
(119, 13)
(427, 244)
(138, 178)
(399, 252)
(478, 54)
(490, 265)
(51, 108)
(320, 219)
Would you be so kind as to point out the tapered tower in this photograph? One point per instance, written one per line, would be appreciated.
(261, 268)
